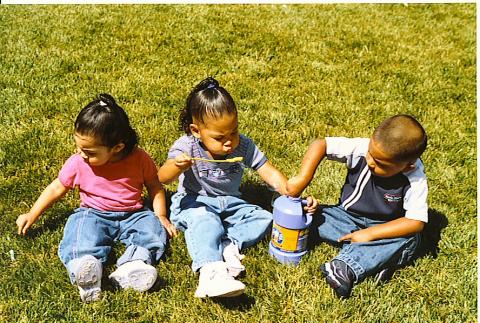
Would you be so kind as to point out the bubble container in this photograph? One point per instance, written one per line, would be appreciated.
(290, 228)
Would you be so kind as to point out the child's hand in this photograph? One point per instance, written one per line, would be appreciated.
(24, 222)
(358, 236)
(312, 205)
(183, 161)
(171, 229)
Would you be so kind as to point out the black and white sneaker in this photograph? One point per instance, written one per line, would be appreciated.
(384, 275)
(339, 276)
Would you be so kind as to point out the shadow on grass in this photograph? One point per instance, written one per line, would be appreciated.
(239, 303)
(431, 234)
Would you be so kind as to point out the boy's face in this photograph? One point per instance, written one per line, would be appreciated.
(381, 164)
(219, 135)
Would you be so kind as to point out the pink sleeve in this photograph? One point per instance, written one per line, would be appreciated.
(68, 173)
(149, 167)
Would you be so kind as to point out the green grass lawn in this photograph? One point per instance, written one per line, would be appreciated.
(296, 72)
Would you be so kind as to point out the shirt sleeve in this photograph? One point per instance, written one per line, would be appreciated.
(69, 172)
(346, 150)
(179, 147)
(254, 157)
(149, 167)
(415, 200)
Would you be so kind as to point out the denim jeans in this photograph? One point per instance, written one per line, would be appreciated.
(206, 221)
(364, 258)
(92, 232)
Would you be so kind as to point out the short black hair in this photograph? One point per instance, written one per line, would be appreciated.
(105, 120)
(207, 99)
(402, 137)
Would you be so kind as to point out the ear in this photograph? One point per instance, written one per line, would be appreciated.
(118, 147)
(195, 130)
(409, 167)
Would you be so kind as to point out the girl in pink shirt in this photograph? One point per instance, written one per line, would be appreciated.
(110, 172)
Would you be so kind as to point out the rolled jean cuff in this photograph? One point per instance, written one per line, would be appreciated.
(134, 252)
(358, 270)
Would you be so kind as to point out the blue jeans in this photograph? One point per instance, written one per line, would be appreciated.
(207, 220)
(92, 232)
(364, 258)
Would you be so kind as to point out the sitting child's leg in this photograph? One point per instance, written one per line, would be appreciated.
(197, 216)
(83, 250)
(360, 259)
(145, 238)
(245, 224)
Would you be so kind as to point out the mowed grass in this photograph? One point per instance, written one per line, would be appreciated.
(297, 72)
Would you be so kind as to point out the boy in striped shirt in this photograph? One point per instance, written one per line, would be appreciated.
(383, 203)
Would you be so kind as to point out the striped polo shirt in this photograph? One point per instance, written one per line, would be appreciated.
(367, 195)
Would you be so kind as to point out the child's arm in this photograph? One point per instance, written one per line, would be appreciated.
(52, 193)
(393, 229)
(314, 155)
(157, 194)
(273, 177)
(172, 168)
(278, 181)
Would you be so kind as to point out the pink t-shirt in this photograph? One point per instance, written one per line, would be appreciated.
(111, 187)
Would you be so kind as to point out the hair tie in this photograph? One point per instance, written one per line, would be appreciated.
(211, 86)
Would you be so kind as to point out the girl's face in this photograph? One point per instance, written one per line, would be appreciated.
(219, 135)
(93, 152)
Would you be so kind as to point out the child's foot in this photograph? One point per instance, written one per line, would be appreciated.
(384, 275)
(339, 276)
(215, 281)
(232, 257)
(134, 274)
(88, 277)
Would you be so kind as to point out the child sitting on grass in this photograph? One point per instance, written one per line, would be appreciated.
(383, 203)
(217, 223)
(110, 171)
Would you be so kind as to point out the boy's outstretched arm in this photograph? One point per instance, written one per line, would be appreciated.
(314, 155)
(393, 229)
(278, 181)
(157, 194)
(52, 193)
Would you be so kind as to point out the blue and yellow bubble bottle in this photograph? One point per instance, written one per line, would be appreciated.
(290, 230)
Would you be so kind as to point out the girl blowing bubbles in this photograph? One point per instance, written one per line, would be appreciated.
(110, 171)
(217, 223)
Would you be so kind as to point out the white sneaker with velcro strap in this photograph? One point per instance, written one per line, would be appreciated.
(215, 281)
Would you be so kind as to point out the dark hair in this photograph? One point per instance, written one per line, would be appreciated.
(207, 99)
(402, 137)
(104, 119)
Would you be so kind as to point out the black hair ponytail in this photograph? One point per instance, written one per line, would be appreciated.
(207, 99)
(104, 119)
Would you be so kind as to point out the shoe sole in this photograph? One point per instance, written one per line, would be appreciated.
(89, 273)
(90, 294)
(88, 279)
(140, 280)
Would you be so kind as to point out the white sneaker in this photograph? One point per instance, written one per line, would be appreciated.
(134, 274)
(88, 277)
(215, 281)
(232, 257)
